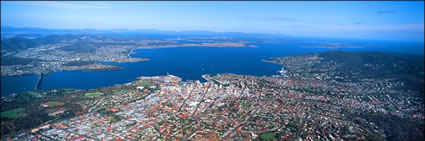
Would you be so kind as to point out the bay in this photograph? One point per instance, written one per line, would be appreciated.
(190, 63)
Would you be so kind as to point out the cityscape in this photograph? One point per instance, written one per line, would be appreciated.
(192, 71)
(294, 105)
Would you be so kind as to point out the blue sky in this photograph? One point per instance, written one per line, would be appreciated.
(343, 19)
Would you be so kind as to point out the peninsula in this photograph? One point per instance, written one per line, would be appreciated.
(22, 56)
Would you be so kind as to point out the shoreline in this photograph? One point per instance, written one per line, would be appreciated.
(202, 80)
(130, 59)
(104, 69)
(26, 77)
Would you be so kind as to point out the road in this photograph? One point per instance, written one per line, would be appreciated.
(37, 85)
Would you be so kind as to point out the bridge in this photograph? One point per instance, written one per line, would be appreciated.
(37, 85)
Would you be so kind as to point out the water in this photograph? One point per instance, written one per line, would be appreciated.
(188, 63)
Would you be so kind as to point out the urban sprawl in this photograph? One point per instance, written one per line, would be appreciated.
(291, 106)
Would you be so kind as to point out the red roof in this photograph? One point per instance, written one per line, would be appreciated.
(118, 139)
(182, 115)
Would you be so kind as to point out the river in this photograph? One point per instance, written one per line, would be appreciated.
(190, 63)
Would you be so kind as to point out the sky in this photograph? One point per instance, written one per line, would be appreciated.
(384, 20)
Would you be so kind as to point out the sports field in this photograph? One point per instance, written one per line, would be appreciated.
(267, 136)
(91, 95)
(54, 103)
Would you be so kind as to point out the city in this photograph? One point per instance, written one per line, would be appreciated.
(292, 106)
(212, 71)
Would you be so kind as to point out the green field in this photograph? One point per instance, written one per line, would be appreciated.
(66, 91)
(268, 136)
(103, 111)
(34, 94)
(309, 89)
(122, 91)
(115, 119)
(13, 114)
(54, 103)
(91, 95)
(145, 82)
(391, 108)
(246, 104)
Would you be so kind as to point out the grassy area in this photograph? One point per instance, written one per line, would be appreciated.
(105, 111)
(391, 108)
(13, 114)
(268, 136)
(215, 82)
(67, 91)
(91, 95)
(34, 94)
(309, 89)
(115, 119)
(54, 103)
(123, 91)
(246, 104)
(145, 82)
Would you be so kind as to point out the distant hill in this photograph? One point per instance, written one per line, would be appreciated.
(29, 32)
(391, 66)
(359, 66)
(20, 43)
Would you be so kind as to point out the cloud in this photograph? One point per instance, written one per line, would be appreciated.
(385, 12)
(62, 5)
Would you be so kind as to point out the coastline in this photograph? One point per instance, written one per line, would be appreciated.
(104, 69)
(120, 67)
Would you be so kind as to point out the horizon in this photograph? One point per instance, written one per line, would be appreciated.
(347, 20)
(212, 70)
(159, 30)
